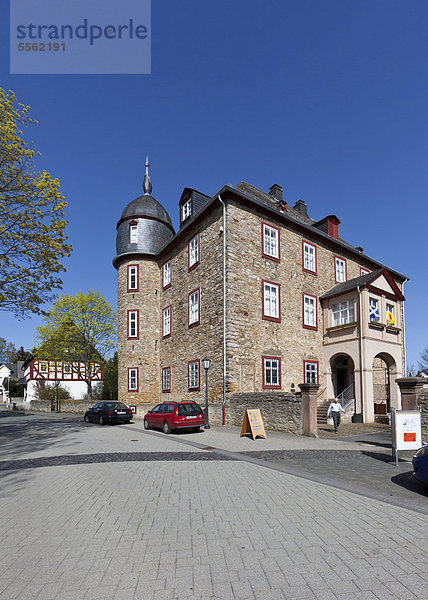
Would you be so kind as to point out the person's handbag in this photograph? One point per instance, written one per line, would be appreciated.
(329, 420)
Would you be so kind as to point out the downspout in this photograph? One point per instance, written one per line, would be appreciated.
(404, 334)
(360, 314)
(224, 312)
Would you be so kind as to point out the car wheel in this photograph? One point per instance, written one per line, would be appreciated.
(146, 425)
(86, 419)
(166, 428)
(101, 420)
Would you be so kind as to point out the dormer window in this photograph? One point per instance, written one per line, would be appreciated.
(186, 210)
(133, 237)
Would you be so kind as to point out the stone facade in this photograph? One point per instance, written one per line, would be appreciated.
(280, 412)
(251, 336)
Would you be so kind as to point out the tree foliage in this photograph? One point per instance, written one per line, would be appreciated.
(7, 351)
(32, 223)
(423, 362)
(80, 330)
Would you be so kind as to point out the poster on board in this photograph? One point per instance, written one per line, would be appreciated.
(406, 429)
(253, 424)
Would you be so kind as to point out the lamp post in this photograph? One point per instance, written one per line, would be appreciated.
(8, 387)
(57, 395)
(206, 362)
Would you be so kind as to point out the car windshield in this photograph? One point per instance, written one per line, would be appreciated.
(189, 409)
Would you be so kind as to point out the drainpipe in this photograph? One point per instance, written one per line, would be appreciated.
(360, 313)
(404, 334)
(224, 311)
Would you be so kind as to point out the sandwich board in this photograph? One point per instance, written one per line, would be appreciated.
(253, 424)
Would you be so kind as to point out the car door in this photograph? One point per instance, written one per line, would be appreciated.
(153, 417)
(93, 413)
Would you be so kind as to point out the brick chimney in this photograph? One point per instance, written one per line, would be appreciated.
(275, 191)
(301, 208)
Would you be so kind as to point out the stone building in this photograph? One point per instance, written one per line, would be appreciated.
(273, 297)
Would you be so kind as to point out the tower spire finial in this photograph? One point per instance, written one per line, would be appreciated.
(147, 184)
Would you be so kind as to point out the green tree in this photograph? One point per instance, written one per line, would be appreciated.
(80, 330)
(110, 379)
(32, 224)
(7, 351)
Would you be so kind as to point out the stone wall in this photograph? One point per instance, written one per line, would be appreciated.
(75, 407)
(423, 403)
(280, 412)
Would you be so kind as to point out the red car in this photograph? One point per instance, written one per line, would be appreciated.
(175, 415)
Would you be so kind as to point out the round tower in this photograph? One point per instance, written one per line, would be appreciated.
(142, 230)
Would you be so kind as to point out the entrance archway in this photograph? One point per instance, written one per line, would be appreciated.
(342, 373)
(383, 367)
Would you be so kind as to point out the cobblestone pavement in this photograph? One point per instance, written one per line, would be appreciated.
(191, 528)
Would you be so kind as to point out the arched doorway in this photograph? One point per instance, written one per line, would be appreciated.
(342, 373)
(383, 366)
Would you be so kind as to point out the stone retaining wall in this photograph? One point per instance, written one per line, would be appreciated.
(76, 406)
(423, 403)
(280, 412)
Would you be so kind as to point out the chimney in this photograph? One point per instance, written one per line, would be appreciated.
(359, 248)
(275, 191)
(301, 208)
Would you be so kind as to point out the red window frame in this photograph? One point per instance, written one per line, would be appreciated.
(315, 258)
(199, 308)
(137, 312)
(129, 379)
(335, 269)
(311, 362)
(276, 259)
(167, 390)
(164, 287)
(266, 386)
(167, 335)
(313, 327)
(137, 279)
(191, 267)
(265, 317)
(366, 271)
(191, 362)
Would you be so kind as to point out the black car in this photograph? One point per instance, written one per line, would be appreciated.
(108, 412)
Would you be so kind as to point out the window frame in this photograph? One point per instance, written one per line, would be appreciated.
(378, 306)
(306, 270)
(164, 312)
(137, 324)
(166, 390)
(347, 302)
(188, 204)
(266, 317)
(198, 387)
(166, 285)
(393, 312)
(311, 362)
(194, 323)
(133, 233)
(133, 389)
(196, 263)
(363, 271)
(345, 268)
(306, 325)
(270, 256)
(129, 277)
(265, 385)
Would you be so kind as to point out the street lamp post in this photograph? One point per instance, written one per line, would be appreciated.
(8, 387)
(206, 362)
(57, 395)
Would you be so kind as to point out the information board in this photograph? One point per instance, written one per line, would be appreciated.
(406, 429)
(253, 424)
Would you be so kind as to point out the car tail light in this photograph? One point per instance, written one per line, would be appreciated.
(110, 412)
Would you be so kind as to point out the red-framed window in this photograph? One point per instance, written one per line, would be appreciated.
(133, 324)
(166, 274)
(309, 257)
(194, 252)
(194, 375)
(309, 311)
(194, 307)
(340, 269)
(310, 371)
(363, 271)
(271, 372)
(271, 301)
(270, 242)
(166, 379)
(166, 321)
(132, 379)
(132, 278)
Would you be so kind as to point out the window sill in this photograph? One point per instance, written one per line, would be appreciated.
(393, 329)
(345, 326)
(376, 325)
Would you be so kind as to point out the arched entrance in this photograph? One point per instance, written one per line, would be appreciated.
(342, 373)
(383, 367)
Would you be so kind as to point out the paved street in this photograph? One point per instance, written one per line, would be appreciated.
(92, 512)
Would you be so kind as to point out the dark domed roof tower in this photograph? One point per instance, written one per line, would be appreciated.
(144, 227)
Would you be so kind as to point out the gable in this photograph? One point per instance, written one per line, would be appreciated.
(382, 284)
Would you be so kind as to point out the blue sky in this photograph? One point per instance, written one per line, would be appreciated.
(328, 99)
